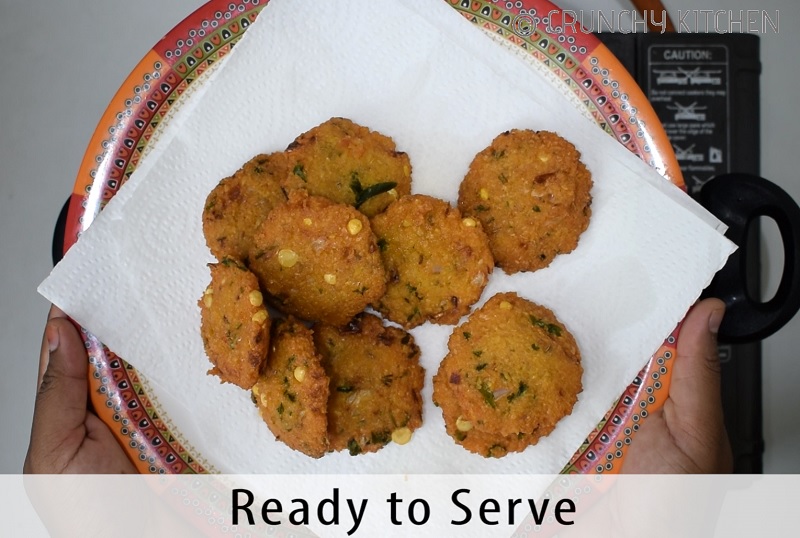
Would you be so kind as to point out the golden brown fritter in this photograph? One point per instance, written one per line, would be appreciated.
(486, 444)
(292, 391)
(532, 194)
(349, 164)
(511, 373)
(437, 263)
(318, 259)
(238, 205)
(376, 381)
(234, 323)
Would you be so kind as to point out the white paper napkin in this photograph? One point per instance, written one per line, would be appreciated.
(418, 72)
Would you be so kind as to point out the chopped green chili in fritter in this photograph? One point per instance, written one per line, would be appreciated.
(520, 391)
(299, 171)
(488, 395)
(362, 194)
(353, 447)
(552, 328)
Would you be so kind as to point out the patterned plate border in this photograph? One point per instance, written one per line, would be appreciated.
(535, 29)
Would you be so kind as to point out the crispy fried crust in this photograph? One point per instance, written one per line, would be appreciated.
(437, 263)
(512, 372)
(292, 391)
(532, 194)
(477, 441)
(318, 259)
(238, 205)
(376, 381)
(234, 323)
(349, 164)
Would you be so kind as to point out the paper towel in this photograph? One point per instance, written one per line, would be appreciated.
(418, 72)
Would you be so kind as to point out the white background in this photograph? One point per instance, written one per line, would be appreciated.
(60, 64)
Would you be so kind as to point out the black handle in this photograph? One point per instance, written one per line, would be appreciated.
(738, 200)
(57, 247)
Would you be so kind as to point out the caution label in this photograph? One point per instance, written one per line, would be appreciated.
(688, 87)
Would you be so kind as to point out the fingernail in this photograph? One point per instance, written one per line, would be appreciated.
(51, 333)
(715, 320)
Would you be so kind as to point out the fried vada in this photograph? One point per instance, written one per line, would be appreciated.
(375, 384)
(234, 323)
(512, 372)
(531, 192)
(350, 164)
(318, 259)
(437, 262)
(292, 391)
(237, 206)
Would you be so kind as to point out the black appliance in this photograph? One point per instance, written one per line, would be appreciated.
(705, 90)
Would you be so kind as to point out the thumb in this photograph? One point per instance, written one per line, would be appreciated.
(696, 376)
(60, 410)
(695, 399)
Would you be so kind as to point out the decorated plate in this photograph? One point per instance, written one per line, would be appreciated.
(175, 67)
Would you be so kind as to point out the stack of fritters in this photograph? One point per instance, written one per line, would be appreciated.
(328, 228)
(295, 226)
(334, 388)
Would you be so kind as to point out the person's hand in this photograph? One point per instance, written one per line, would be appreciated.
(688, 434)
(66, 437)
